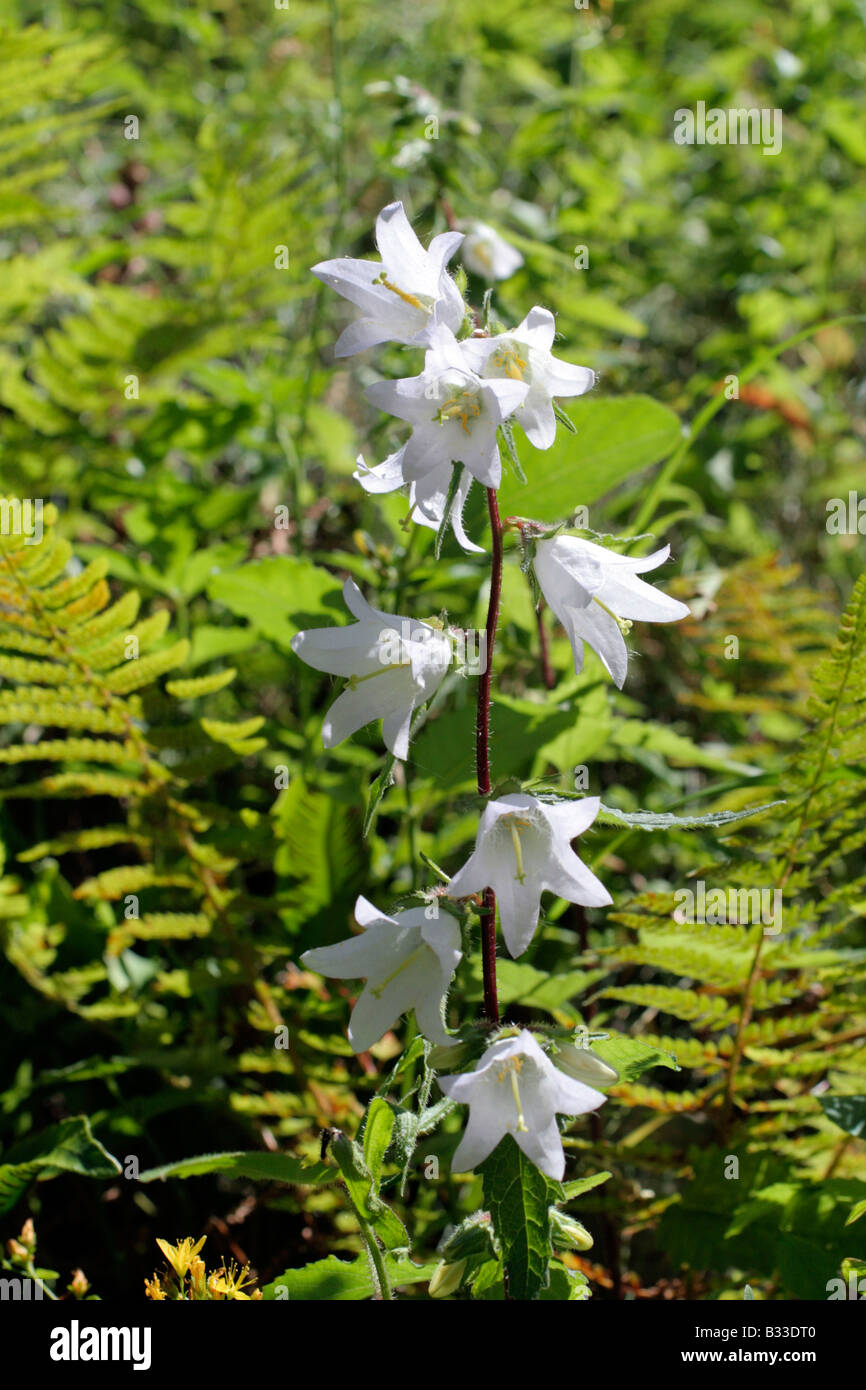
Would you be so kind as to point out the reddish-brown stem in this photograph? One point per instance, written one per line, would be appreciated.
(482, 754)
(547, 672)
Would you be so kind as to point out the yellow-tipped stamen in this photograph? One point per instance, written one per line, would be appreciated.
(509, 361)
(401, 294)
(512, 1069)
(462, 406)
(624, 624)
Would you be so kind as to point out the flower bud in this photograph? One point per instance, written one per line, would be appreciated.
(17, 1253)
(79, 1283)
(473, 1237)
(28, 1236)
(447, 1278)
(583, 1064)
(568, 1233)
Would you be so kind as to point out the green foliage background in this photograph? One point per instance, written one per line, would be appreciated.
(155, 258)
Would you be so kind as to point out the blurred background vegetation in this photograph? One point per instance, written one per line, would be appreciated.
(155, 258)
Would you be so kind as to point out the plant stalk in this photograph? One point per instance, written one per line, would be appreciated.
(482, 754)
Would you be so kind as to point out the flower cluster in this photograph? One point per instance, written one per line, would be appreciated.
(474, 385)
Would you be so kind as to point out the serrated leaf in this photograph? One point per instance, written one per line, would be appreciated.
(68, 1147)
(339, 1281)
(377, 1137)
(519, 1197)
(848, 1112)
(263, 1167)
(631, 1057)
(667, 820)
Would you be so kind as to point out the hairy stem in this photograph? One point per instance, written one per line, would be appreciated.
(548, 674)
(482, 754)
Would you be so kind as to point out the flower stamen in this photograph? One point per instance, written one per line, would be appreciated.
(508, 360)
(412, 299)
(462, 406)
(512, 1069)
(624, 624)
(354, 681)
(379, 989)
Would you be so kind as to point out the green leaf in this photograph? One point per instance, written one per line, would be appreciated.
(615, 439)
(519, 1196)
(377, 1137)
(456, 473)
(524, 984)
(338, 1281)
(364, 1197)
(263, 1167)
(566, 1286)
(68, 1147)
(856, 1212)
(848, 1112)
(601, 312)
(378, 789)
(279, 595)
(581, 1185)
(631, 1057)
(667, 820)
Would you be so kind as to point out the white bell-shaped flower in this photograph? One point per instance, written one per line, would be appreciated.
(408, 962)
(596, 595)
(427, 496)
(393, 664)
(405, 295)
(522, 849)
(515, 1089)
(523, 354)
(488, 254)
(454, 413)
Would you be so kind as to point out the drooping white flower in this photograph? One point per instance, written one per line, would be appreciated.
(405, 295)
(515, 1089)
(393, 664)
(488, 254)
(522, 849)
(596, 594)
(408, 962)
(523, 354)
(454, 413)
(427, 496)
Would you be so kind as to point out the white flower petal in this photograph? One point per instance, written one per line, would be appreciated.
(573, 881)
(565, 379)
(602, 632)
(629, 597)
(380, 477)
(395, 732)
(402, 252)
(538, 420)
(366, 913)
(515, 1089)
(362, 334)
(571, 818)
(519, 907)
